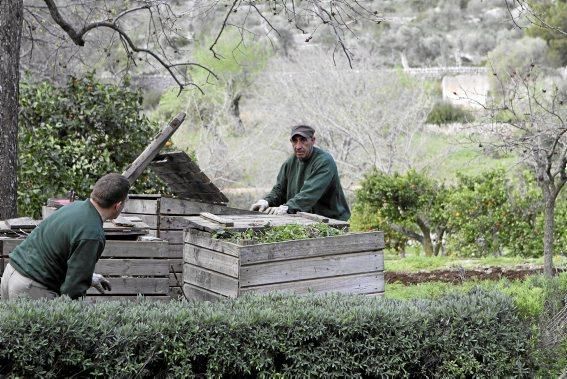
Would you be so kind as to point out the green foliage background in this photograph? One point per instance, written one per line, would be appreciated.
(487, 214)
(70, 136)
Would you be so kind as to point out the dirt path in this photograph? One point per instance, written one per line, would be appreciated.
(459, 275)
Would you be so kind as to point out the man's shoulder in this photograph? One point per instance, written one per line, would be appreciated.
(321, 155)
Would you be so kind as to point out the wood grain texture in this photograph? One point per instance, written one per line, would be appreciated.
(211, 260)
(133, 286)
(311, 268)
(313, 247)
(350, 284)
(200, 294)
(133, 267)
(210, 280)
(135, 249)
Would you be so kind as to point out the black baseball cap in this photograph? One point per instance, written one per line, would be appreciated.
(302, 130)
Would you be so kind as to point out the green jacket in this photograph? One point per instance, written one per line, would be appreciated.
(312, 186)
(62, 251)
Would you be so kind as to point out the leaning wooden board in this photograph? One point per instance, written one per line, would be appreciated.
(133, 267)
(214, 269)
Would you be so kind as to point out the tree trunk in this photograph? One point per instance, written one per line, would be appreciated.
(426, 242)
(11, 23)
(548, 231)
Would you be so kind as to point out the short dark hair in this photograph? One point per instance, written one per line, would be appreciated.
(110, 189)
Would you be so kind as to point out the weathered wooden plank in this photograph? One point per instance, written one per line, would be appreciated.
(151, 220)
(148, 267)
(142, 206)
(204, 239)
(175, 265)
(200, 294)
(172, 236)
(175, 251)
(171, 206)
(313, 216)
(216, 219)
(211, 260)
(8, 244)
(143, 160)
(311, 268)
(130, 286)
(93, 299)
(350, 284)
(176, 279)
(210, 280)
(135, 249)
(313, 247)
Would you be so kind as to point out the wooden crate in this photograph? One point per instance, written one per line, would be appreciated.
(166, 218)
(132, 267)
(350, 263)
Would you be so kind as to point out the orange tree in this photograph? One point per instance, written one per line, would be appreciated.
(405, 206)
(69, 136)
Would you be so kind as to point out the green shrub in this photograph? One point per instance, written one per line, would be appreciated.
(476, 334)
(70, 136)
(446, 113)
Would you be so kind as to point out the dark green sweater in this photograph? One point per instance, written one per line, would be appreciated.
(62, 251)
(312, 186)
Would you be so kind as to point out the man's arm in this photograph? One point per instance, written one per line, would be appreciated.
(80, 268)
(314, 187)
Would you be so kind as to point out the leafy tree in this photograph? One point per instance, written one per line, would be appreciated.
(537, 133)
(549, 21)
(477, 207)
(70, 136)
(410, 205)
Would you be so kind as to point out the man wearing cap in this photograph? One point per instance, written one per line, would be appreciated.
(308, 181)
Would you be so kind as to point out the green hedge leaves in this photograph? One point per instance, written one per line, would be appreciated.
(475, 334)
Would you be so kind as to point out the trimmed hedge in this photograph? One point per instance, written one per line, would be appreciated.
(476, 334)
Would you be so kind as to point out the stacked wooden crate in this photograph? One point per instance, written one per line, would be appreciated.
(215, 269)
(166, 218)
(133, 268)
(134, 264)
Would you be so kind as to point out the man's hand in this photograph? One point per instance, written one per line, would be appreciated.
(259, 206)
(100, 283)
(281, 210)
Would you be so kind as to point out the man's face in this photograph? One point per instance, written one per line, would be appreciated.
(302, 147)
(118, 208)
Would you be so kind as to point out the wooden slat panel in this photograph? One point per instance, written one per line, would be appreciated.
(131, 298)
(143, 206)
(200, 294)
(176, 279)
(8, 244)
(211, 260)
(175, 251)
(128, 286)
(171, 206)
(350, 284)
(204, 239)
(135, 249)
(175, 265)
(141, 267)
(348, 243)
(311, 268)
(172, 236)
(149, 219)
(210, 280)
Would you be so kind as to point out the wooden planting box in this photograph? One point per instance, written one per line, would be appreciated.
(132, 267)
(165, 217)
(216, 269)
